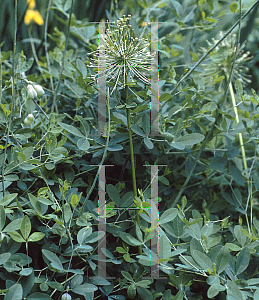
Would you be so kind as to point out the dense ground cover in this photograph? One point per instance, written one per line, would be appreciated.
(80, 112)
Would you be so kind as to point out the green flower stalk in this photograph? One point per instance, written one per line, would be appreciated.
(237, 120)
(122, 57)
(221, 65)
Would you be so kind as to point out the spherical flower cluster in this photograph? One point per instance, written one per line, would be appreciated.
(123, 54)
(222, 59)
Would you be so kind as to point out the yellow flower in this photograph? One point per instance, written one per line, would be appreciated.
(31, 4)
(33, 16)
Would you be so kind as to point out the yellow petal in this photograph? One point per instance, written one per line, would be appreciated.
(28, 16)
(31, 4)
(38, 18)
(33, 16)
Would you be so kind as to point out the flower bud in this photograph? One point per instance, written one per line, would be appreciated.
(66, 296)
(28, 119)
(38, 88)
(31, 92)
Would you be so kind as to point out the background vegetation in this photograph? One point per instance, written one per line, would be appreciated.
(50, 151)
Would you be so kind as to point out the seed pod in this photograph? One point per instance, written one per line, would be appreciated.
(31, 92)
(38, 88)
(66, 296)
(28, 119)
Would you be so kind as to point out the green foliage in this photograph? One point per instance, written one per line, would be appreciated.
(204, 237)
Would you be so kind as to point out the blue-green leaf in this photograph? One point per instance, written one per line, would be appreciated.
(214, 290)
(71, 129)
(81, 67)
(218, 163)
(2, 217)
(234, 292)
(243, 259)
(25, 227)
(203, 260)
(148, 143)
(83, 144)
(191, 139)
(84, 289)
(52, 257)
(222, 259)
(4, 257)
(168, 215)
(14, 292)
(236, 174)
(7, 199)
(113, 194)
(38, 296)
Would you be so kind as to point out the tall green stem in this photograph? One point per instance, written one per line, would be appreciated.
(243, 157)
(54, 104)
(13, 83)
(131, 151)
(133, 174)
(237, 120)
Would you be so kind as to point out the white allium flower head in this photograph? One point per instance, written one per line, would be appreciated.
(124, 54)
(222, 59)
